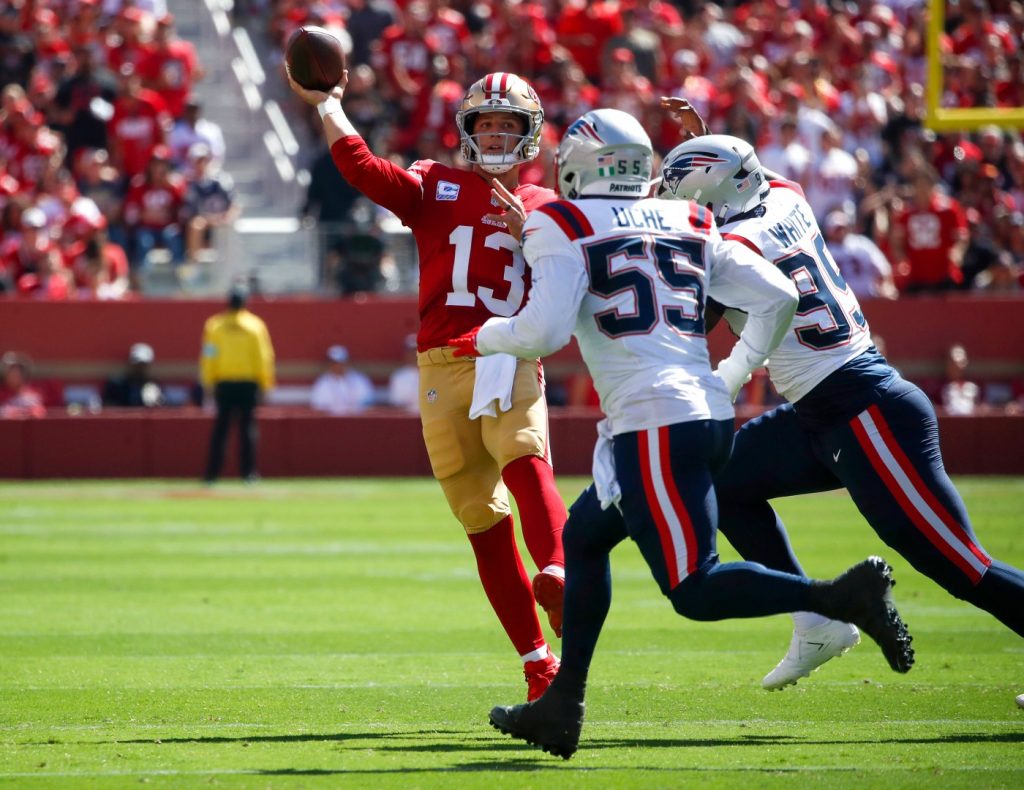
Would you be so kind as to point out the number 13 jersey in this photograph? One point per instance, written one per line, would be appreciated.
(470, 269)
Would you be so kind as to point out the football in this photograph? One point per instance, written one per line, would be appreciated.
(316, 59)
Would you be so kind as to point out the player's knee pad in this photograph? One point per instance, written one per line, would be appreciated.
(477, 517)
(521, 443)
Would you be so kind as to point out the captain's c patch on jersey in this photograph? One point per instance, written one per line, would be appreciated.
(446, 190)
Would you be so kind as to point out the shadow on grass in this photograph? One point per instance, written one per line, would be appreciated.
(338, 737)
(462, 741)
(489, 743)
(510, 766)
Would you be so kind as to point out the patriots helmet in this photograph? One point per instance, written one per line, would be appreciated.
(501, 92)
(607, 153)
(718, 171)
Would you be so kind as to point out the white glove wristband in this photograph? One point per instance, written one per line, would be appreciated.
(329, 105)
(734, 375)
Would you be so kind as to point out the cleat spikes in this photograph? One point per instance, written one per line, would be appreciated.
(551, 723)
(863, 596)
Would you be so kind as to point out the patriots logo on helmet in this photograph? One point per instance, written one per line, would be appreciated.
(676, 171)
(695, 160)
(585, 129)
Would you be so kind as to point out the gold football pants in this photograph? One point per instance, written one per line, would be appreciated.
(466, 455)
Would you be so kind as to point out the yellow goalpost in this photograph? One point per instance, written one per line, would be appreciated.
(945, 119)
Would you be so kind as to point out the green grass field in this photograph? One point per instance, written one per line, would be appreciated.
(333, 633)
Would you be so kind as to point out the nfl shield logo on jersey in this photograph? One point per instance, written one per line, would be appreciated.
(446, 190)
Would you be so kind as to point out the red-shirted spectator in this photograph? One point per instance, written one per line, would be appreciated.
(171, 67)
(584, 28)
(152, 210)
(138, 125)
(929, 238)
(99, 267)
(18, 398)
(51, 281)
(522, 40)
(405, 52)
(125, 45)
(686, 80)
(34, 260)
(46, 33)
(662, 18)
(970, 36)
(449, 30)
(30, 147)
(22, 252)
(566, 95)
(435, 108)
(624, 88)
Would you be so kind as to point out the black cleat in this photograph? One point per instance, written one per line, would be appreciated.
(552, 723)
(863, 596)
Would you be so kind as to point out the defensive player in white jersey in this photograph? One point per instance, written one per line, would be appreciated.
(851, 422)
(629, 276)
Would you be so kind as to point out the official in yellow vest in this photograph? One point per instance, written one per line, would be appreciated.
(236, 367)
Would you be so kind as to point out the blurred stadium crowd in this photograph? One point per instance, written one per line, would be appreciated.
(108, 158)
(831, 92)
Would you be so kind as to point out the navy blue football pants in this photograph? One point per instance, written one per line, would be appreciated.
(669, 511)
(888, 459)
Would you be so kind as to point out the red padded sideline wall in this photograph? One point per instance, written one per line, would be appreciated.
(138, 443)
(85, 339)
(88, 341)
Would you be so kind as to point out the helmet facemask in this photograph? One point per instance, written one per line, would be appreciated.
(517, 148)
(500, 92)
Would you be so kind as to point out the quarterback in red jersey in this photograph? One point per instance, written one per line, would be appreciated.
(472, 268)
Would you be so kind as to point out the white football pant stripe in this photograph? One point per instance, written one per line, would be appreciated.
(663, 504)
(914, 496)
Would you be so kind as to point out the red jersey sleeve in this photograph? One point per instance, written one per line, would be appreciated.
(384, 182)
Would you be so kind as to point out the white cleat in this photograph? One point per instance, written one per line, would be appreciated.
(810, 650)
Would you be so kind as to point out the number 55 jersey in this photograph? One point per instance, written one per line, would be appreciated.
(470, 268)
(630, 278)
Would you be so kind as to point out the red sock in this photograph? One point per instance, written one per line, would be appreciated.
(507, 586)
(532, 482)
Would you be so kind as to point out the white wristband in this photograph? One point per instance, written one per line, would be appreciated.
(328, 105)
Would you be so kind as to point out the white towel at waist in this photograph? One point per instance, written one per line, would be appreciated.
(495, 375)
(606, 482)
